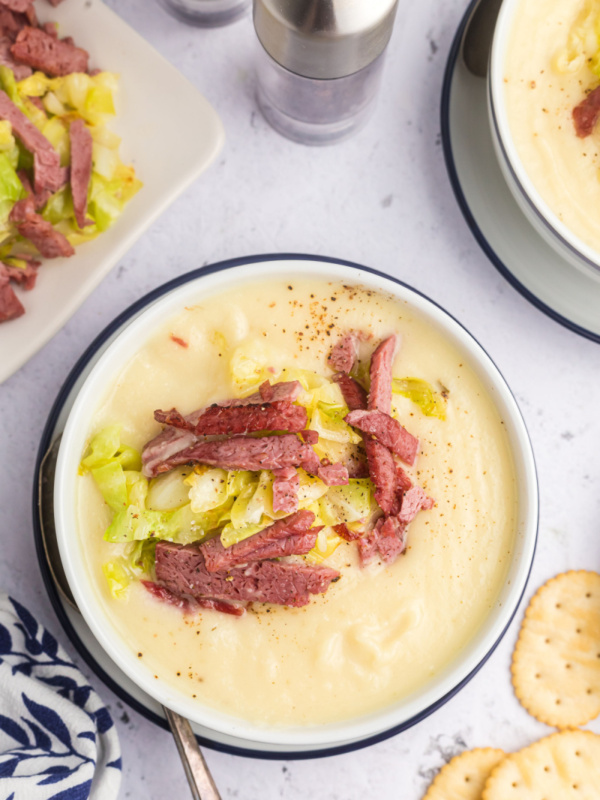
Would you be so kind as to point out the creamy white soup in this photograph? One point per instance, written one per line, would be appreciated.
(379, 633)
(547, 73)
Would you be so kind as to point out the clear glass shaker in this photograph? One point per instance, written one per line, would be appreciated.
(319, 64)
(206, 13)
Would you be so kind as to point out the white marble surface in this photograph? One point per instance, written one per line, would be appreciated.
(382, 199)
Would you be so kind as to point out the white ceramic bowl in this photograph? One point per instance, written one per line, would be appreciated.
(240, 732)
(538, 212)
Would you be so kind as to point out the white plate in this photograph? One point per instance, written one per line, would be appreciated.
(564, 293)
(157, 107)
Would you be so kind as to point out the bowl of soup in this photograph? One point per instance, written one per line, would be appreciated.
(543, 107)
(390, 636)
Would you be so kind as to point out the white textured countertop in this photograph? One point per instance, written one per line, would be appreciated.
(382, 199)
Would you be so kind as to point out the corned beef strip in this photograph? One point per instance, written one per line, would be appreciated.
(10, 25)
(23, 276)
(246, 452)
(585, 115)
(382, 470)
(49, 242)
(285, 490)
(403, 481)
(20, 6)
(274, 392)
(182, 570)
(218, 558)
(403, 484)
(31, 16)
(51, 55)
(232, 420)
(268, 393)
(344, 354)
(48, 174)
(10, 305)
(333, 474)
(380, 392)
(20, 71)
(81, 169)
(354, 395)
(298, 545)
(310, 437)
(388, 539)
(413, 501)
(388, 431)
(187, 604)
(163, 447)
(170, 441)
(357, 467)
(344, 532)
(39, 199)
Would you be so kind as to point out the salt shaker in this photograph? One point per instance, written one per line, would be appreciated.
(319, 64)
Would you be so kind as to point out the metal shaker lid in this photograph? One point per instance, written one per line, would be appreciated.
(324, 38)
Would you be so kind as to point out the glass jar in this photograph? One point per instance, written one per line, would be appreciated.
(320, 63)
(316, 111)
(207, 13)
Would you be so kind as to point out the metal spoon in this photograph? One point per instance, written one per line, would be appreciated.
(197, 772)
(478, 35)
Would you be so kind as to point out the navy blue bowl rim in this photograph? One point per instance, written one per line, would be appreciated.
(46, 442)
(455, 181)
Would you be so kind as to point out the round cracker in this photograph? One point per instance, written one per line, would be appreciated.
(563, 766)
(464, 777)
(556, 662)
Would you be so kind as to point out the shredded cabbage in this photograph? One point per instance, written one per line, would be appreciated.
(191, 505)
(249, 365)
(118, 576)
(141, 511)
(64, 99)
(311, 489)
(231, 535)
(208, 489)
(106, 445)
(350, 503)
(308, 380)
(110, 479)
(261, 502)
(327, 542)
(169, 492)
(361, 372)
(582, 47)
(328, 422)
(11, 188)
(422, 394)
(137, 561)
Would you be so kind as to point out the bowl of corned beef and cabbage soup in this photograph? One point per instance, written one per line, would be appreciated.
(544, 104)
(296, 502)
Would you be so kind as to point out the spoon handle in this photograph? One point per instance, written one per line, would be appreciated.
(196, 769)
(197, 772)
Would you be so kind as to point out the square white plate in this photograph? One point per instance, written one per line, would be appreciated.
(170, 133)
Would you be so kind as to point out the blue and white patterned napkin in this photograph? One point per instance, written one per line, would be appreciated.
(57, 739)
